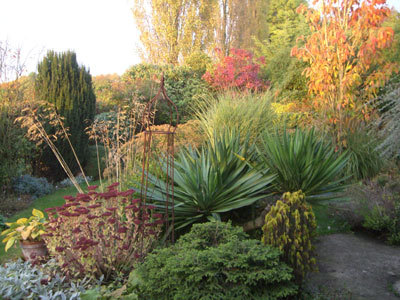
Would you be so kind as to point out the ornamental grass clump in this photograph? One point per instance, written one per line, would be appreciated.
(101, 234)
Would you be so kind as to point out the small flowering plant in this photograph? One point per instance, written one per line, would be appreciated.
(101, 234)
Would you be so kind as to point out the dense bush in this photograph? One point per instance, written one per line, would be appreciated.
(303, 161)
(21, 280)
(384, 222)
(290, 226)
(212, 180)
(214, 261)
(79, 179)
(248, 113)
(183, 85)
(375, 205)
(2, 223)
(101, 234)
(29, 185)
(198, 62)
(285, 74)
(96, 161)
(15, 149)
(238, 70)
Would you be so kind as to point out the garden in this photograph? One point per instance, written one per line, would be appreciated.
(205, 173)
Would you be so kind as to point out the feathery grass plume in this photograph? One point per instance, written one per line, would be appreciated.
(251, 114)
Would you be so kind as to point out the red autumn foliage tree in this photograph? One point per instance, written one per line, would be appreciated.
(237, 70)
(344, 50)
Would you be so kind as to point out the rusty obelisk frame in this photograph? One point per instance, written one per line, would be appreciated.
(168, 156)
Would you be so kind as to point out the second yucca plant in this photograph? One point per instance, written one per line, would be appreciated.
(303, 161)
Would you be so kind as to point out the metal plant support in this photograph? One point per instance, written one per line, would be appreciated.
(151, 155)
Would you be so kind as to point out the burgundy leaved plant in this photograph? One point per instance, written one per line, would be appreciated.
(101, 233)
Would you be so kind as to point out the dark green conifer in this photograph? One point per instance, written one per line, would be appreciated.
(64, 83)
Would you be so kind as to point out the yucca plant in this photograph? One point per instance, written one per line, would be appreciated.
(212, 180)
(303, 161)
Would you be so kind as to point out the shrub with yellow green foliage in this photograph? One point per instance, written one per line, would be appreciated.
(290, 226)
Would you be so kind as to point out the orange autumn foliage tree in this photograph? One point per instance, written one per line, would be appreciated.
(346, 67)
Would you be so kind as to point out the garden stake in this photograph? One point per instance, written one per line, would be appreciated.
(153, 155)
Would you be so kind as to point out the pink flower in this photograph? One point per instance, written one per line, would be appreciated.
(122, 230)
(113, 186)
(94, 205)
(106, 214)
(69, 198)
(92, 187)
(82, 210)
(126, 193)
(150, 207)
(50, 209)
(65, 213)
(157, 216)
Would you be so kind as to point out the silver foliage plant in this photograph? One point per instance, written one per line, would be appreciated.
(22, 280)
(388, 123)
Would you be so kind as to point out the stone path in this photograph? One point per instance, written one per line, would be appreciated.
(353, 266)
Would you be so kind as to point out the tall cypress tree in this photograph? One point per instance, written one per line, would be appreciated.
(68, 86)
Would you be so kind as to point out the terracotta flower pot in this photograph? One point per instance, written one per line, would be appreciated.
(32, 250)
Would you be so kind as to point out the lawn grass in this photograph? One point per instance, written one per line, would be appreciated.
(328, 221)
(55, 199)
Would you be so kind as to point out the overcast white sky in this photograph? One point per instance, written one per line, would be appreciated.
(102, 32)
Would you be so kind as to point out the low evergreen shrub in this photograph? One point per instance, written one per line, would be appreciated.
(214, 261)
(30, 185)
(79, 179)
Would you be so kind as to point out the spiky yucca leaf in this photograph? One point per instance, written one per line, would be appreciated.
(303, 161)
(211, 181)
